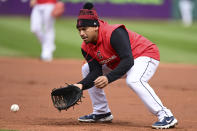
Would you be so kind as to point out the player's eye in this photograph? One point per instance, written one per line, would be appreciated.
(84, 29)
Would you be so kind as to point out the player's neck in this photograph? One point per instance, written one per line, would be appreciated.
(95, 38)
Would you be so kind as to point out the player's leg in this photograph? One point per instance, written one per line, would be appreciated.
(48, 46)
(101, 111)
(186, 7)
(137, 79)
(36, 21)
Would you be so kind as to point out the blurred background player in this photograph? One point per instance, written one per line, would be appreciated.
(42, 24)
(186, 10)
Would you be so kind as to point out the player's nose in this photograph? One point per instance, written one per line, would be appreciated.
(81, 33)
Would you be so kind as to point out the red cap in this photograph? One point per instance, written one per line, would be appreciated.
(87, 16)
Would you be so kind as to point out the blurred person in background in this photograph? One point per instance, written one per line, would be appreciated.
(42, 24)
(186, 10)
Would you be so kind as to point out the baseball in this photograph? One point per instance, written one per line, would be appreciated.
(14, 108)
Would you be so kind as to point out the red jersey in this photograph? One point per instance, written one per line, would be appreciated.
(105, 54)
(45, 1)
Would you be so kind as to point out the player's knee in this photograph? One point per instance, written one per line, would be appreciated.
(137, 85)
(85, 70)
(132, 82)
(134, 85)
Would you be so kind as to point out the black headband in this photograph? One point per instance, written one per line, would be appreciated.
(87, 23)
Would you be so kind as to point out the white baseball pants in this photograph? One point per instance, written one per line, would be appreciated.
(137, 79)
(42, 24)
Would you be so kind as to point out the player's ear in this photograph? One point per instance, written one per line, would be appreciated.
(96, 28)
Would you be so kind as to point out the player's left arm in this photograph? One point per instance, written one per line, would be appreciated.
(32, 3)
(59, 9)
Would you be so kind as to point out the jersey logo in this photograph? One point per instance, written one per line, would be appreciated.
(108, 60)
(99, 56)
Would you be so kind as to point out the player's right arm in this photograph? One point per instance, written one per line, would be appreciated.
(95, 71)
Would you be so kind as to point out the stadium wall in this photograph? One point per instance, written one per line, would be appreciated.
(145, 9)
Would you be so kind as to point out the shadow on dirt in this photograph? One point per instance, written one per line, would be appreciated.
(73, 122)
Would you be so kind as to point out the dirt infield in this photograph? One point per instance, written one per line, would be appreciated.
(28, 82)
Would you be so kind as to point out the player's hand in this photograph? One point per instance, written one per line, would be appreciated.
(32, 3)
(101, 82)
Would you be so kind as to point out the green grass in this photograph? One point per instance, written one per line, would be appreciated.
(177, 44)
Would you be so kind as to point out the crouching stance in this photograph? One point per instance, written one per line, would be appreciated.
(111, 52)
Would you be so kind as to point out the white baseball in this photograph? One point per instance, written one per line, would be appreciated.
(14, 108)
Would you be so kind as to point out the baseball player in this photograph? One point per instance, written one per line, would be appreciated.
(112, 52)
(42, 24)
(186, 9)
